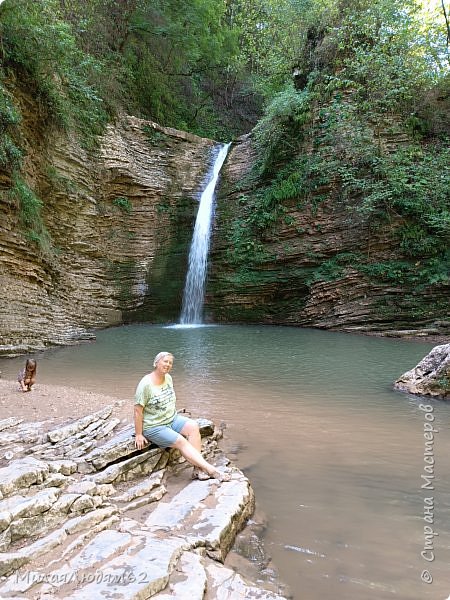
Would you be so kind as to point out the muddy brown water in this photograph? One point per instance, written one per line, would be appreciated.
(337, 458)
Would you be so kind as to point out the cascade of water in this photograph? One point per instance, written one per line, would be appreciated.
(194, 290)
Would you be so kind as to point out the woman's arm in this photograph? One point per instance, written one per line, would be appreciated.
(140, 441)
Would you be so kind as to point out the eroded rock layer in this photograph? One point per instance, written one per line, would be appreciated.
(110, 243)
(116, 223)
(283, 287)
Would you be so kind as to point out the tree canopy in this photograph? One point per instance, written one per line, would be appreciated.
(210, 66)
(321, 83)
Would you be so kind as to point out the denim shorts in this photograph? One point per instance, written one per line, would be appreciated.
(165, 436)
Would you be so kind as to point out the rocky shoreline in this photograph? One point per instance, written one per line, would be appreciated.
(84, 514)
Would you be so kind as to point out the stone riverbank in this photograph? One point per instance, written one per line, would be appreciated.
(83, 514)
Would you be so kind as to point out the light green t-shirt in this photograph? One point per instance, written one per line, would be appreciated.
(158, 401)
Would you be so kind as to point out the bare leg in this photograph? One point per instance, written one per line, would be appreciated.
(192, 433)
(192, 455)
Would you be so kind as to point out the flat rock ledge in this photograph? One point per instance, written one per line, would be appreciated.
(431, 377)
(83, 514)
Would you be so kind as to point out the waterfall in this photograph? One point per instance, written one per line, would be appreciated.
(194, 290)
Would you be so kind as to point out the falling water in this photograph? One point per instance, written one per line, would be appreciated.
(194, 291)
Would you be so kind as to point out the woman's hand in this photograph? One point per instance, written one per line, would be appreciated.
(140, 441)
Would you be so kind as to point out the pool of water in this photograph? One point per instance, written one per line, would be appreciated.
(334, 454)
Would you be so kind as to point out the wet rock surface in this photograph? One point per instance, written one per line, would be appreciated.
(431, 376)
(83, 514)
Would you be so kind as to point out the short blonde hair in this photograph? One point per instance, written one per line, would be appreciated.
(161, 355)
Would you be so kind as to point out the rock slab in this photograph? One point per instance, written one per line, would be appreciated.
(431, 376)
(128, 538)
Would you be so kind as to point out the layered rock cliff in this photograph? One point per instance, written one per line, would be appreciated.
(118, 222)
(282, 286)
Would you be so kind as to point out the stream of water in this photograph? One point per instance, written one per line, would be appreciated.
(334, 454)
(194, 291)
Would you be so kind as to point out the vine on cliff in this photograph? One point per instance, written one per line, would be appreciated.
(10, 153)
(30, 207)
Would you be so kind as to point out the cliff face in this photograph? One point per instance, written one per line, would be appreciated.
(282, 288)
(119, 220)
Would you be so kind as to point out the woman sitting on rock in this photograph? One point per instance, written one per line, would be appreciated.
(156, 419)
(27, 376)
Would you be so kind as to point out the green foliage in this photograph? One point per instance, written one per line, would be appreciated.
(163, 207)
(272, 34)
(418, 274)
(381, 49)
(334, 268)
(414, 184)
(40, 48)
(40, 45)
(29, 204)
(193, 64)
(280, 131)
(259, 213)
(123, 203)
(154, 136)
(30, 215)
(10, 153)
(61, 182)
(8, 113)
(364, 74)
(173, 57)
(371, 57)
(244, 248)
(421, 273)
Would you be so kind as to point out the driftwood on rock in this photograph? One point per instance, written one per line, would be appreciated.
(431, 376)
(78, 519)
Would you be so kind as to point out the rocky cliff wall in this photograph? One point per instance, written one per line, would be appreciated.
(282, 289)
(119, 221)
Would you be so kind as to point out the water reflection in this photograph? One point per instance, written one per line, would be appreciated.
(334, 454)
(195, 352)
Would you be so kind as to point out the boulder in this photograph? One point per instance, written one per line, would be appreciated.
(431, 377)
(22, 473)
